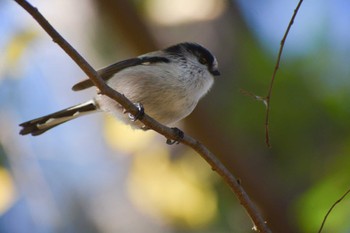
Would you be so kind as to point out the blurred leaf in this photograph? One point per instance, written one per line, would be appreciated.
(122, 137)
(168, 12)
(15, 49)
(179, 191)
(7, 191)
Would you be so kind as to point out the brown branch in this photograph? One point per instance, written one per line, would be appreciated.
(332, 207)
(259, 223)
(269, 93)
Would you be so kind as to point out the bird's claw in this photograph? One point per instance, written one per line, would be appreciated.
(180, 135)
(140, 113)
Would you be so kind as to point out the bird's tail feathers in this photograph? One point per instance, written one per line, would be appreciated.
(42, 124)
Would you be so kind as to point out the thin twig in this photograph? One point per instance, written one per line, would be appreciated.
(259, 223)
(269, 93)
(332, 207)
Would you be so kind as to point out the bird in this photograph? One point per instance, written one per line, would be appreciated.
(167, 84)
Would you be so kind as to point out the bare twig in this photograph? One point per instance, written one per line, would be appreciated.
(269, 93)
(332, 207)
(259, 223)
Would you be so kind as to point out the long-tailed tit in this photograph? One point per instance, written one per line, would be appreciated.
(167, 83)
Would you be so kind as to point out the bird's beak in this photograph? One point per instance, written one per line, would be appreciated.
(215, 72)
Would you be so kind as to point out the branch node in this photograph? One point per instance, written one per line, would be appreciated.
(255, 97)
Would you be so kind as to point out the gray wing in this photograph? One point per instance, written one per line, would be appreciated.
(108, 72)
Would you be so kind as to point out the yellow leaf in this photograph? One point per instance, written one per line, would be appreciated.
(7, 191)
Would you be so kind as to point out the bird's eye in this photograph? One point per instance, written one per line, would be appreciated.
(202, 60)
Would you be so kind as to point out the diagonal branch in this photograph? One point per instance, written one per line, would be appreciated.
(332, 207)
(259, 223)
(267, 99)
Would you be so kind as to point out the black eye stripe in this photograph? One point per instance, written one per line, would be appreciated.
(193, 48)
(202, 53)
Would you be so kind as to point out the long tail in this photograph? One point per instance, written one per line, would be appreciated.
(42, 124)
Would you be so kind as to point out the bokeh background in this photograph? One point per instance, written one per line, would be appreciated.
(95, 175)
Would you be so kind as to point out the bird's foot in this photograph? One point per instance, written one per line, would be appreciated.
(180, 135)
(140, 113)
